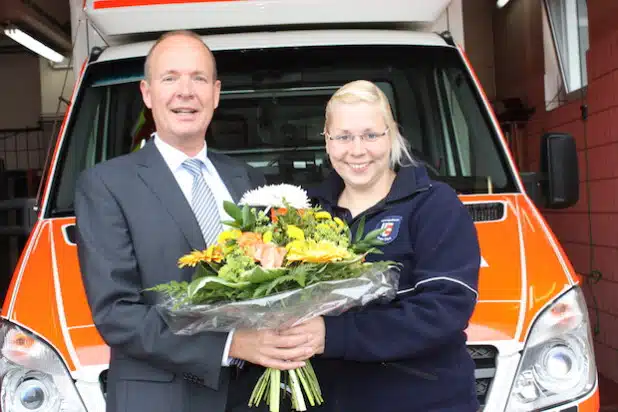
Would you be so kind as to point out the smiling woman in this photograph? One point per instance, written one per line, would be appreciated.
(394, 354)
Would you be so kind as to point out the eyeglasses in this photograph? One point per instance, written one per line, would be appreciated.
(348, 138)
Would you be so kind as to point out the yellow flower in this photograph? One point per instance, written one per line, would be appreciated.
(267, 237)
(339, 222)
(323, 215)
(228, 235)
(296, 244)
(295, 233)
(315, 252)
(212, 254)
(323, 226)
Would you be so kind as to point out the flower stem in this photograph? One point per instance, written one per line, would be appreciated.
(301, 381)
(297, 396)
(275, 390)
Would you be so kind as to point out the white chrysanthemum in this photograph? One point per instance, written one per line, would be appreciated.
(274, 196)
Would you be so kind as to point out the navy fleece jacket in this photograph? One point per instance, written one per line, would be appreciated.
(410, 354)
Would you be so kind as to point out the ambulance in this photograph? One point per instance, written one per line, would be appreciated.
(279, 62)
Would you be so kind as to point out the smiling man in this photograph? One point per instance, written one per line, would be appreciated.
(182, 90)
(136, 215)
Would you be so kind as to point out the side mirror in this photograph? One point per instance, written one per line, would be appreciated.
(559, 177)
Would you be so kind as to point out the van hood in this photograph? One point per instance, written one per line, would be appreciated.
(523, 267)
(522, 270)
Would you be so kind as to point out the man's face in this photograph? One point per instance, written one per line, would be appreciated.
(181, 92)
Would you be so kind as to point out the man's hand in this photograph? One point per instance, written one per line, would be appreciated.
(315, 329)
(271, 349)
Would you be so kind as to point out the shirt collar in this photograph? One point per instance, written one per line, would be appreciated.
(174, 157)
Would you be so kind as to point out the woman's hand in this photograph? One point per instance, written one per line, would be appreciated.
(315, 329)
(271, 349)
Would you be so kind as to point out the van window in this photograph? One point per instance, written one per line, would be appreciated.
(271, 114)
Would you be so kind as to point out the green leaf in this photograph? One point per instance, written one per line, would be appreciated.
(233, 210)
(231, 223)
(373, 234)
(260, 275)
(213, 283)
(246, 215)
(267, 288)
(247, 219)
(172, 289)
(373, 250)
(359, 230)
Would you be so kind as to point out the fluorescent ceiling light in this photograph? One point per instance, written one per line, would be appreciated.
(33, 44)
(502, 3)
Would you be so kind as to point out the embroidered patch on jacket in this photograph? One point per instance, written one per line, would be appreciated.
(390, 225)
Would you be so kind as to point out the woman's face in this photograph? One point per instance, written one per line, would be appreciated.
(358, 144)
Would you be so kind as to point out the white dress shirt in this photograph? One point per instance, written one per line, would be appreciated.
(174, 159)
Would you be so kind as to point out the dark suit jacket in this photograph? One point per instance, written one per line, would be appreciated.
(133, 223)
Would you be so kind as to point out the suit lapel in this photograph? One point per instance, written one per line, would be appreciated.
(234, 178)
(155, 173)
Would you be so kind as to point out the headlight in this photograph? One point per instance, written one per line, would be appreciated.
(557, 365)
(33, 378)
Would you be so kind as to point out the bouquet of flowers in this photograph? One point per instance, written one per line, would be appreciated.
(280, 262)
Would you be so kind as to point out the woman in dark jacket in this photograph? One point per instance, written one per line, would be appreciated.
(409, 355)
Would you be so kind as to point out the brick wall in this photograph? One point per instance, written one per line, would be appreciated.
(596, 215)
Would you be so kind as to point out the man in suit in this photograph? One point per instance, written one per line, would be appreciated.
(136, 215)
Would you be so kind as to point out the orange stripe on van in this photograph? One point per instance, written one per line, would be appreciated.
(109, 4)
(493, 321)
(36, 306)
(546, 276)
(23, 258)
(592, 404)
(76, 308)
(500, 247)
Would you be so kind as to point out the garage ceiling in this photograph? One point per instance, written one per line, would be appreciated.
(48, 21)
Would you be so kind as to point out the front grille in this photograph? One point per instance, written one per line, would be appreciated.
(485, 361)
(486, 212)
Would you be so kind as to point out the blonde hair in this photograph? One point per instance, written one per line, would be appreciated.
(185, 33)
(363, 91)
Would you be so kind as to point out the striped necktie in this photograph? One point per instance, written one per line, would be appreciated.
(203, 203)
(205, 208)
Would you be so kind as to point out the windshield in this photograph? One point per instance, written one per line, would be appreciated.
(271, 114)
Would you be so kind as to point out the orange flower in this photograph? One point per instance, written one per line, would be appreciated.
(249, 239)
(281, 211)
(212, 254)
(248, 242)
(269, 255)
(274, 212)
